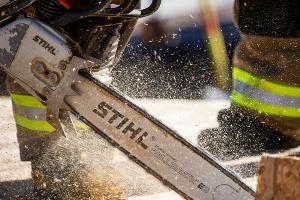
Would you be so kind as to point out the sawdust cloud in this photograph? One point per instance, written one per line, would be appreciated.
(79, 167)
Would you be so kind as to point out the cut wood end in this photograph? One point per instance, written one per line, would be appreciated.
(278, 178)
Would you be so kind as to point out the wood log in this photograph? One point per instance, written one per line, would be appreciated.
(278, 178)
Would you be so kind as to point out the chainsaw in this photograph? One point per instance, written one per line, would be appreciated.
(44, 58)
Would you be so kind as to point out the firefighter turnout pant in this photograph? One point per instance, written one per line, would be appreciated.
(34, 132)
(266, 65)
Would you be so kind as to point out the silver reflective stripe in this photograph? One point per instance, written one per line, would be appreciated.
(31, 113)
(266, 96)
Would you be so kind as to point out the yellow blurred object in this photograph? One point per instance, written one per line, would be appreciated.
(216, 44)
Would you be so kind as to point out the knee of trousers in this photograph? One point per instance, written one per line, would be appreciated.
(266, 80)
(33, 129)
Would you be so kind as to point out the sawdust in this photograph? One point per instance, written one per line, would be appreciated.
(146, 72)
(79, 167)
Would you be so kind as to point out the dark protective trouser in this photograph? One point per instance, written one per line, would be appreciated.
(34, 133)
(266, 71)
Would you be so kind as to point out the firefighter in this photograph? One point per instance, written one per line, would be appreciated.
(66, 167)
(264, 115)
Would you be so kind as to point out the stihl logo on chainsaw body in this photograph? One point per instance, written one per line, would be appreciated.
(50, 48)
(121, 123)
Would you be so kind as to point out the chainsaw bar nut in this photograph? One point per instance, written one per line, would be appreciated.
(39, 67)
(54, 77)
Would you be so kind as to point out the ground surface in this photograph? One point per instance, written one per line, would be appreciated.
(185, 116)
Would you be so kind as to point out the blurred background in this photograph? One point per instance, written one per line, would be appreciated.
(184, 51)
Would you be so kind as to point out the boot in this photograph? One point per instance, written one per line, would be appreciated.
(240, 134)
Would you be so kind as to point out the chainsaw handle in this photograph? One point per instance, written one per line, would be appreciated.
(123, 10)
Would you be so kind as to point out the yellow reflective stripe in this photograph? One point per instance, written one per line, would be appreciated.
(78, 125)
(34, 125)
(81, 125)
(270, 109)
(277, 88)
(26, 101)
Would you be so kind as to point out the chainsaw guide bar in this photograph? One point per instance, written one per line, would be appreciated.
(189, 171)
